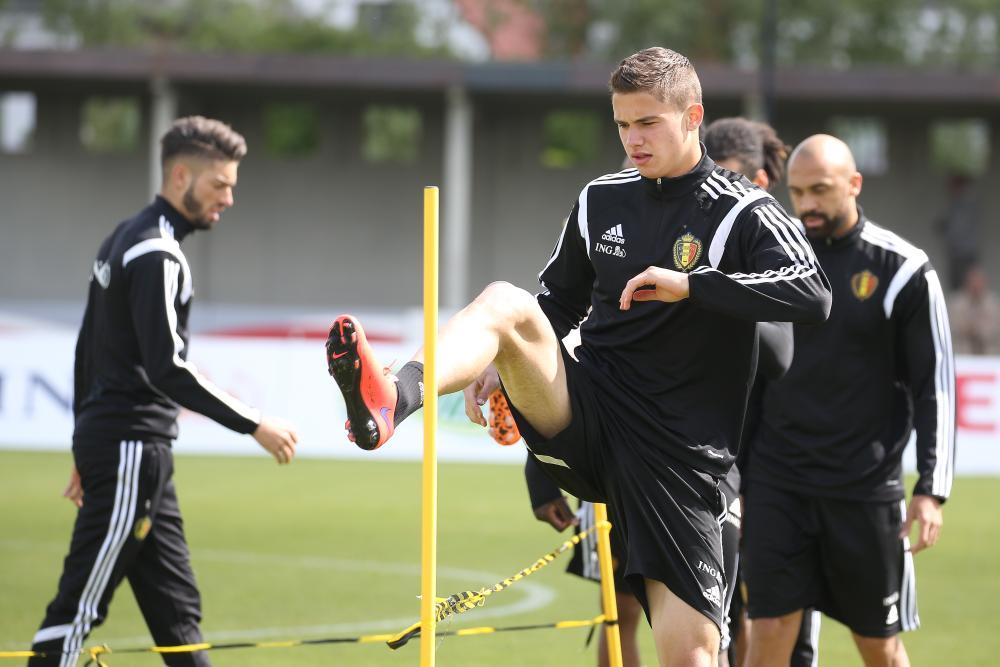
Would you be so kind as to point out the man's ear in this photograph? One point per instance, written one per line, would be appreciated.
(760, 179)
(693, 116)
(855, 183)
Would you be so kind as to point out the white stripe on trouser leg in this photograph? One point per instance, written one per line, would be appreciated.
(122, 515)
(50, 633)
(814, 621)
(908, 617)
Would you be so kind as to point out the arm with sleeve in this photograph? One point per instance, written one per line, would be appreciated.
(155, 281)
(773, 272)
(567, 280)
(926, 367)
(776, 348)
(81, 367)
(541, 489)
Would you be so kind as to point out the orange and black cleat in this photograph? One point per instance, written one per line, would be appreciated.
(369, 390)
(503, 428)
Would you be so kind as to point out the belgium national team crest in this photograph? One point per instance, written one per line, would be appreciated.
(864, 284)
(142, 527)
(687, 252)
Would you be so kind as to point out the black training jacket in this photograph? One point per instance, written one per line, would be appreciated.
(881, 366)
(131, 370)
(676, 375)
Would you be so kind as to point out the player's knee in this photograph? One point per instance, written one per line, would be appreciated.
(776, 628)
(879, 650)
(504, 304)
(629, 611)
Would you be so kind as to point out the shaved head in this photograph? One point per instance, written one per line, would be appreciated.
(826, 150)
(823, 182)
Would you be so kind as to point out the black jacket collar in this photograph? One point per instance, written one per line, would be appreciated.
(847, 240)
(181, 225)
(671, 188)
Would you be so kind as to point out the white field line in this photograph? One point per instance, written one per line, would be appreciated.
(533, 595)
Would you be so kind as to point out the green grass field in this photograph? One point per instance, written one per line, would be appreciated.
(327, 548)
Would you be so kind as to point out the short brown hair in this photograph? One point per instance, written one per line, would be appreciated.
(202, 137)
(660, 72)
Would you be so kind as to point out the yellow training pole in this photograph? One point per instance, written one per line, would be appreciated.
(608, 586)
(428, 551)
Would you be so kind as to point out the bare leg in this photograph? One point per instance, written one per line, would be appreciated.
(629, 613)
(684, 637)
(882, 651)
(772, 640)
(742, 638)
(505, 326)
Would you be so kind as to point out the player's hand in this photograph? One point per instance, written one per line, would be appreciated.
(655, 284)
(477, 393)
(926, 511)
(557, 514)
(74, 490)
(278, 438)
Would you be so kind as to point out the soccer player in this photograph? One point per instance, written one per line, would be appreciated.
(131, 378)
(755, 150)
(676, 261)
(826, 523)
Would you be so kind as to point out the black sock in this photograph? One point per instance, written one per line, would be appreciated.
(410, 389)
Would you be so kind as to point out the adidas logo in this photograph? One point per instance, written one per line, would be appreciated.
(712, 595)
(893, 615)
(614, 235)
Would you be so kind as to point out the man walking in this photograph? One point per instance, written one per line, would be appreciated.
(130, 380)
(825, 522)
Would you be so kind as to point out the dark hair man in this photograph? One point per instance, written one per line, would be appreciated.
(826, 523)
(755, 150)
(649, 418)
(130, 379)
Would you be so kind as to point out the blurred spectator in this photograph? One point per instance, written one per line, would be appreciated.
(959, 225)
(975, 315)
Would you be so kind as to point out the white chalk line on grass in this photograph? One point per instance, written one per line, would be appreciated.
(533, 595)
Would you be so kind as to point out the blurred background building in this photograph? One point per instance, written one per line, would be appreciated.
(350, 107)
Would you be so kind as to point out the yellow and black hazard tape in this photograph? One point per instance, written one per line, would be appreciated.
(96, 653)
(446, 607)
(466, 600)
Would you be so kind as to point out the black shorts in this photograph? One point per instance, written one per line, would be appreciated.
(667, 516)
(843, 557)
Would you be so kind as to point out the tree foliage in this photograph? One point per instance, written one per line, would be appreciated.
(844, 33)
(258, 26)
(811, 32)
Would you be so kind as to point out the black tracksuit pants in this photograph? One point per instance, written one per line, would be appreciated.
(129, 527)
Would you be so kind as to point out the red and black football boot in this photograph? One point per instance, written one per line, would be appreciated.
(369, 390)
